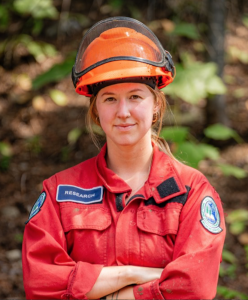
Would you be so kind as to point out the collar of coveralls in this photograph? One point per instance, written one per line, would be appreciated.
(163, 182)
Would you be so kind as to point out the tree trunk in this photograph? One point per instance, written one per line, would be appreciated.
(216, 108)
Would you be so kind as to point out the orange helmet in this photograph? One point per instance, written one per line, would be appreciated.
(119, 48)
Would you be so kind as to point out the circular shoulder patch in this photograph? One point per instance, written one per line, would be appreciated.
(37, 206)
(210, 215)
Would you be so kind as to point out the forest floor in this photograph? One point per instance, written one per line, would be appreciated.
(37, 130)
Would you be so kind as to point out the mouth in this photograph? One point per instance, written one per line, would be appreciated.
(124, 127)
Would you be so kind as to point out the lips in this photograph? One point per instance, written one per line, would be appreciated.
(124, 127)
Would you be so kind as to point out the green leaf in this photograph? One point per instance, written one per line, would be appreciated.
(58, 97)
(174, 134)
(189, 153)
(237, 228)
(74, 135)
(221, 132)
(56, 73)
(4, 17)
(209, 151)
(229, 170)
(235, 53)
(215, 86)
(227, 293)
(237, 215)
(229, 257)
(116, 4)
(187, 30)
(239, 93)
(245, 20)
(5, 149)
(191, 87)
(36, 8)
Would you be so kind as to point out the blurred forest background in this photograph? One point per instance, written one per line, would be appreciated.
(42, 119)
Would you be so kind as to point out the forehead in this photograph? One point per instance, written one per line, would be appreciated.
(126, 87)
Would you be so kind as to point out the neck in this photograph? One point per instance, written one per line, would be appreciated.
(127, 161)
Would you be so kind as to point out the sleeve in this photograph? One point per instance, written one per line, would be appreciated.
(48, 270)
(194, 270)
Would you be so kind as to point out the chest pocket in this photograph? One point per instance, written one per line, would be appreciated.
(86, 228)
(157, 231)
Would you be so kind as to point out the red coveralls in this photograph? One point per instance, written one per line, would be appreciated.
(79, 229)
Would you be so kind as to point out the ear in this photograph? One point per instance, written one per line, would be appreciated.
(157, 106)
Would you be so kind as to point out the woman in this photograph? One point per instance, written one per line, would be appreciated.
(132, 222)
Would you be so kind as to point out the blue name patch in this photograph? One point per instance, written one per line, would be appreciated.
(73, 193)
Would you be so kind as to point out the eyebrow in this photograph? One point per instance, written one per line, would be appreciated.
(134, 90)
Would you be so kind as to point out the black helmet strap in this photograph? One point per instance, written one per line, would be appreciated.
(96, 87)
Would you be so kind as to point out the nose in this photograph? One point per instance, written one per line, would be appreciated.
(123, 110)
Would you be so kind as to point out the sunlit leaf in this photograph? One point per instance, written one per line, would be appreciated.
(74, 135)
(237, 228)
(237, 215)
(58, 97)
(192, 88)
(243, 57)
(229, 256)
(215, 85)
(189, 153)
(36, 8)
(221, 132)
(245, 20)
(174, 134)
(5, 149)
(209, 151)
(235, 53)
(56, 73)
(229, 170)
(239, 93)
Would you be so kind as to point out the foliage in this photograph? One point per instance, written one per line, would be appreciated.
(74, 135)
(238, 220)
(4, 18)
(227, 293)
(5, 155)
(195, 81)
(55, 73)
(36, 8)
(34, 144)
(39, 50)
(58, 97)
(235, 53)
(228, 170)
(221, 132)
(245, 20)
(188, 30)
(192, 152)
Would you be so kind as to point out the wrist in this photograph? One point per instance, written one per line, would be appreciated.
(131, 274)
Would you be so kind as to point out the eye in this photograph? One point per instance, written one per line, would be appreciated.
(135, 97)
(109, 99)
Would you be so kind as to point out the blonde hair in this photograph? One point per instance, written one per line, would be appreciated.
(157, 122)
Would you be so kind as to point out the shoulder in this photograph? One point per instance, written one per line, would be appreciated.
(75, 174)
(187, 174)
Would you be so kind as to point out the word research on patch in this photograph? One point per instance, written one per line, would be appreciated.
(71, 193)
(210, 215)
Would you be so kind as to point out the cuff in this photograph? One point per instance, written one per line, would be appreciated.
(149, 290)
(82, 280)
